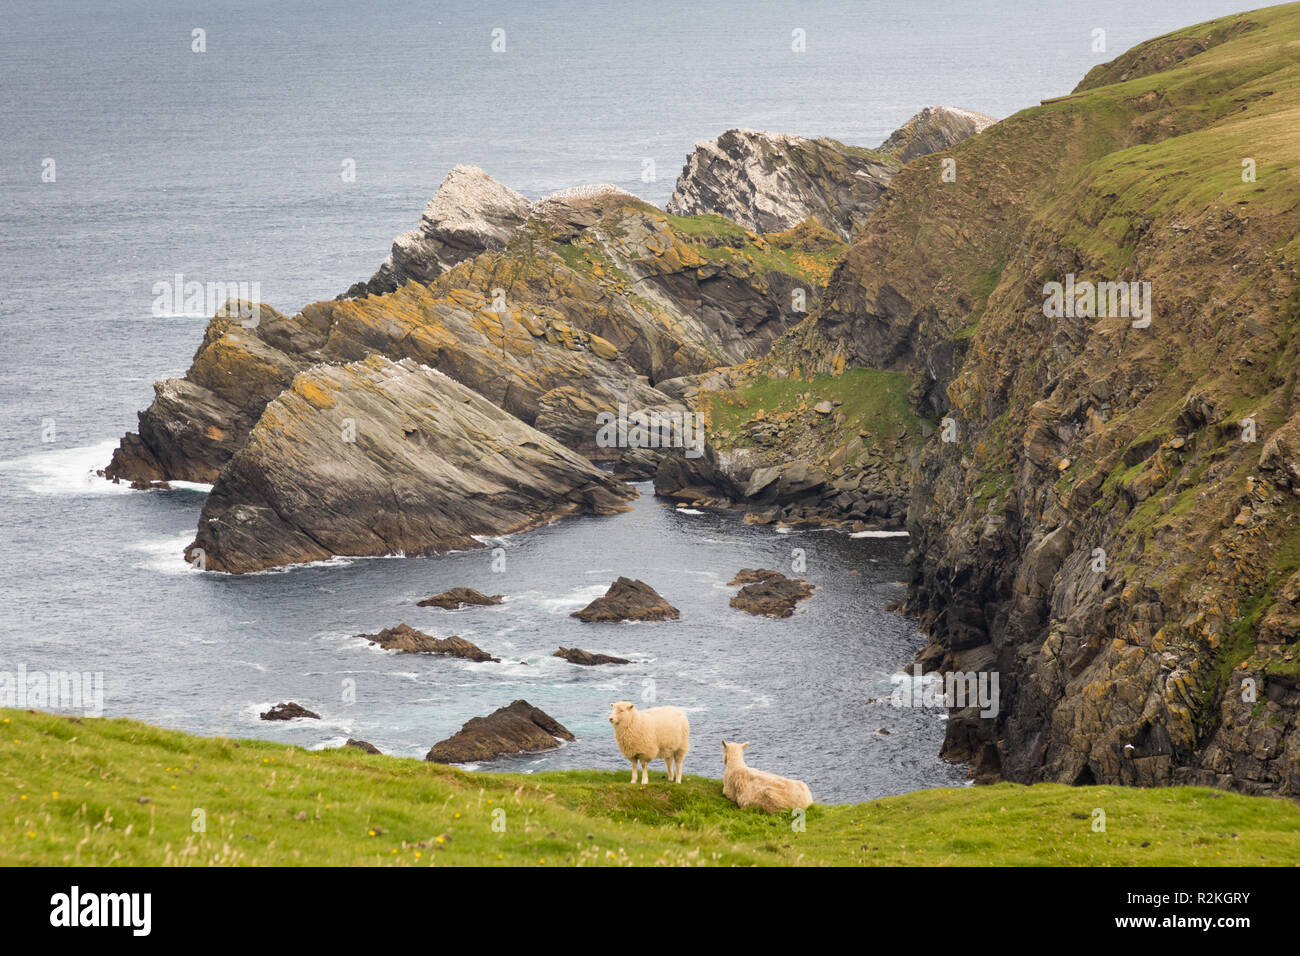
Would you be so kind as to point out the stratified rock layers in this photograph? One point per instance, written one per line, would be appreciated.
(380, 457)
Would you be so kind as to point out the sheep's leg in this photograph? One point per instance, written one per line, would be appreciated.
(633, 770)
(680, 760)
(668, 762)
(645, 772)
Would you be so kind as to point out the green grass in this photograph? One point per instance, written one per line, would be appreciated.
(72, 792)
(874, 402)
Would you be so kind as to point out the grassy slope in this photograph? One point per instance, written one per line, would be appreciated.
(71, 790)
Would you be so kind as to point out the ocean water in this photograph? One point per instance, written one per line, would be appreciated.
(228, 165)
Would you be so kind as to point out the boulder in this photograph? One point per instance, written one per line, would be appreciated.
(772, 596)
(457, 598)
(407, 640)
(288, 711)
(628, 600)
(576, 655)
(363, 745)
(753, 575)
(519, 728)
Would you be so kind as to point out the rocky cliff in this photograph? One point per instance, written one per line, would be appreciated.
(1109, 516)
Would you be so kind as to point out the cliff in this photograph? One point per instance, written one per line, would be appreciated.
(1115, 527)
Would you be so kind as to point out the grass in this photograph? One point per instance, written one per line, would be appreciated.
(118, 792)
(873, 402)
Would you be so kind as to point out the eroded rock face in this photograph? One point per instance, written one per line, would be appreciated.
(470, 213)
(933, 130)
(1099, 534)
(517, 729)
(289, 711)
(771, 182)
(575, 655)
(408, 640)
(457, 598)
(628, 600)
(770, 593)
(380, 457)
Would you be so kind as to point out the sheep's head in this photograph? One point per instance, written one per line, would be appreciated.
(733, 753)
(620, 711)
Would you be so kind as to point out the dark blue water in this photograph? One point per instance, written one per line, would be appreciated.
(225, 166)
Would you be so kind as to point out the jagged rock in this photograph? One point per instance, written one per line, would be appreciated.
(933, 130)
(771, 182)
(457, 598)
(518, 728)
(628, 600)
(377, 457)
(470, 213)
(363, 745)
(774, 595)
(576, 655)
(408, 640)
(288, 711)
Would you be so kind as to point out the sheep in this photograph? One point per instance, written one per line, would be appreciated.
(748, 787)
(646, 735)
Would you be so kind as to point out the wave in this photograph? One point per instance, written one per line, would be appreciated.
(879, 534)
(66, 471)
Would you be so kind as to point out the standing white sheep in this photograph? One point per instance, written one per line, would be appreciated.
(646, 735)
(748, 787)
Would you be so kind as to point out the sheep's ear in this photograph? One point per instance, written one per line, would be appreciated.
(724, 741)
(744, 746)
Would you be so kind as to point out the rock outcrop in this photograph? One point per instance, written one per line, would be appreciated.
(379, 457)
(288, 711)
(770, 182)
(933, 130)
(575, 655)
(362, 745)
(519, 728)
(628, 600)
(408, 640)
(770, 594)
(457, 598)
(470, 213)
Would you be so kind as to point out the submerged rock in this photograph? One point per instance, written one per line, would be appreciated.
(381, 457)
(288, 711)
(408, 640)
(628, 600)
(517, 729)
(575, 655)
(457, 598)
(773, 595)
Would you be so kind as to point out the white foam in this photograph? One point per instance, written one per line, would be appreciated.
(165, 555)
(688, 511)
(66, 471)
(879, 534)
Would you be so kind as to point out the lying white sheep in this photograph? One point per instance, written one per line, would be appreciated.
(646, 735)
(748, 787)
